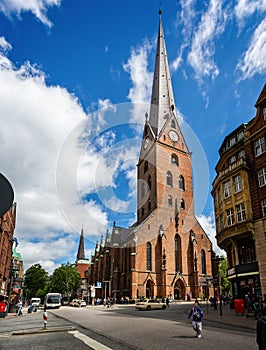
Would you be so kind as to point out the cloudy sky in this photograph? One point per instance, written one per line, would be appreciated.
(75, 83)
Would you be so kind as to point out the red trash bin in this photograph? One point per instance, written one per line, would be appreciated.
(239, 306)
(3, 309)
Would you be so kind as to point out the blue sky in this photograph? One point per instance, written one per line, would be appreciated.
(75, 83)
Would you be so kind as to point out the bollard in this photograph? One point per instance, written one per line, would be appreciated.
(45, 319)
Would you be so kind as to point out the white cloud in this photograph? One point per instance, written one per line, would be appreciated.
(254, 59)
(44, 251)
(4, 45)
(201, 56)
(36, 119)
(38, 8)
(208, 224)
(246, 8)
(137, 67)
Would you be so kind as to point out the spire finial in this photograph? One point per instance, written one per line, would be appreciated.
(160, 9)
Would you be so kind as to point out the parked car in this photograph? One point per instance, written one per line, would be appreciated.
(35, 302)
(77, 303)
(149, 304)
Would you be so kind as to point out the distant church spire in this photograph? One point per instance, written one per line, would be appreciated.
(162, 98)
(81, 252)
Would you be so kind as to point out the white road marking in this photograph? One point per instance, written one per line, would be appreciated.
(89, 341)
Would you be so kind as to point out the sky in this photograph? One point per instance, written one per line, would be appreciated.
(75, 83)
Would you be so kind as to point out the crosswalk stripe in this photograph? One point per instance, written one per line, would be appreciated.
(89, 341)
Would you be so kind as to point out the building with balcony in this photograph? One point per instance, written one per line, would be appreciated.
(239, 193)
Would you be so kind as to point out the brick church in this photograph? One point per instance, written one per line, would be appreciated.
(166, 252)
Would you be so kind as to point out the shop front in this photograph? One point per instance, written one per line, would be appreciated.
(245, 281)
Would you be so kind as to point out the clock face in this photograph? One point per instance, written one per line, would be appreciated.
(173, 135)
(146, 142)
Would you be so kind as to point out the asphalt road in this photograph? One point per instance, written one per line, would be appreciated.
(120, 328)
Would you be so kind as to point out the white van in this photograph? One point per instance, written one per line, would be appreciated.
(35, 302)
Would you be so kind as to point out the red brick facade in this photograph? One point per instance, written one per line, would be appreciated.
(7, 227)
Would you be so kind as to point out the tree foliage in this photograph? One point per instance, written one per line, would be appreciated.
(35, 281)
(65, 280)
(225, 283)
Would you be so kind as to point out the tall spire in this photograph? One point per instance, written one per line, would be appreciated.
(162, 99)
(81, 252)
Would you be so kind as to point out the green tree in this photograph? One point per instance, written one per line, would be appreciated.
(225, 283)
(65, 280)
(36, 279)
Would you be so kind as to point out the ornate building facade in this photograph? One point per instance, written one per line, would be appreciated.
(166, 252)
(239, 192)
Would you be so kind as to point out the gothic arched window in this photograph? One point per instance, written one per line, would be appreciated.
(173, 124)
(181, 183)
(145, 166)
(182, 204)
(170, 201)
(177, 253)
(148, 256)
(149, 182)
(174, 159)
(169, 179)
(203, 262)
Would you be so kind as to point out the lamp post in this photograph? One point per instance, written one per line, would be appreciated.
(217, 259)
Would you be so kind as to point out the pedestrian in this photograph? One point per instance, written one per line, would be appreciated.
(167, 302)
(19, 308)
(197, 316)
(261, 331)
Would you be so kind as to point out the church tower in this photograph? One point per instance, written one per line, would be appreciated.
(166, 252)
(81, 252)
(173, 253)
(162, 184)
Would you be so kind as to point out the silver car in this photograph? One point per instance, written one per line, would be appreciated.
(150, 304)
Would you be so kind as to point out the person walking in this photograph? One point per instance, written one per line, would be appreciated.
(197, 315)
(167, 302)
(261, 331)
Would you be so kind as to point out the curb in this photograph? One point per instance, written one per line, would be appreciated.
(42, 330)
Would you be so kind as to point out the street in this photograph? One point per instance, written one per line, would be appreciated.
(121, 327)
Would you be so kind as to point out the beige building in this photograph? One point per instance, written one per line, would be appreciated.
(239, 192)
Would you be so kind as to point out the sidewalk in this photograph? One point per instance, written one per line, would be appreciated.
(229, 317)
